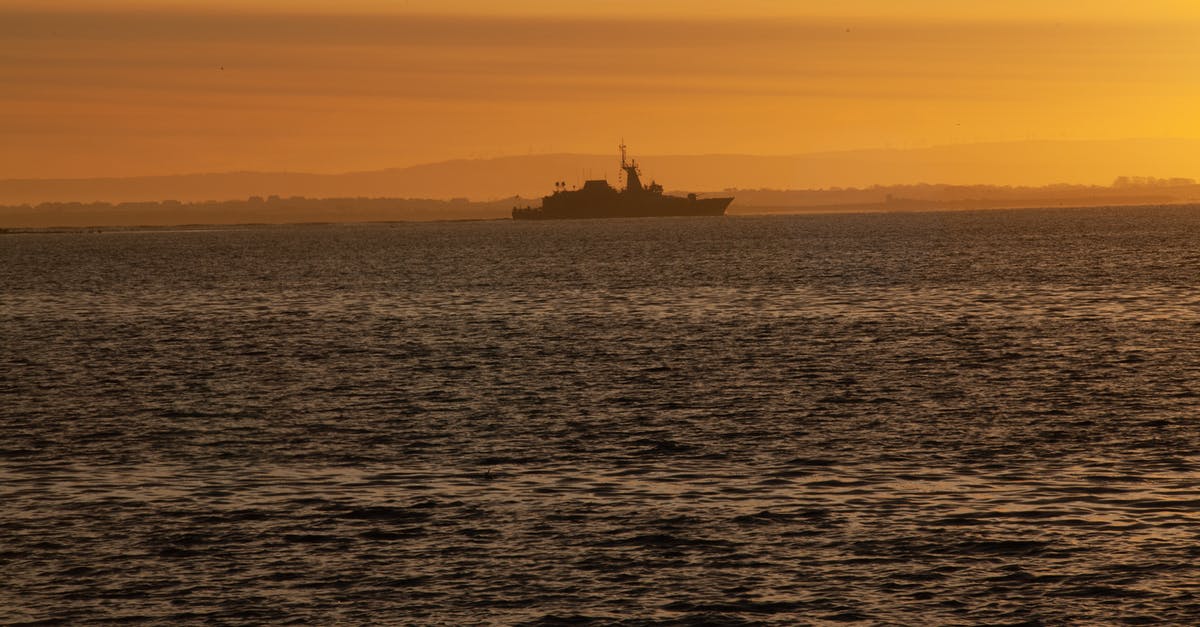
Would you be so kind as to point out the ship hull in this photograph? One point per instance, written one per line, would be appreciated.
(649, 207)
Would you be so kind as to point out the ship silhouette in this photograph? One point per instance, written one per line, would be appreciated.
(598, 199)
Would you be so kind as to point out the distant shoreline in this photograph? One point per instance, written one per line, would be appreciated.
(1125, 191)
(743, 212)
(947, 208)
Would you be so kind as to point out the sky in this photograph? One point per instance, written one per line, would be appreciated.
(138, 87)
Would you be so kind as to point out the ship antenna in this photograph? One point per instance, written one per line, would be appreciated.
(621, 176)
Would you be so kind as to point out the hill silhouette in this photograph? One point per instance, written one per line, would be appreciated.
(1011, 163)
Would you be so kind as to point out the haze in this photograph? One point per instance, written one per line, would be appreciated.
(143, 88)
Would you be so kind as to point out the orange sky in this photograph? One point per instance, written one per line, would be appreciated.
(171, 86)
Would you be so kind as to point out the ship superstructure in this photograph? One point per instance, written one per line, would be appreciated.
(598, 199)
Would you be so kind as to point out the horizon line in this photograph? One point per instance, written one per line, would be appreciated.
(498, 157)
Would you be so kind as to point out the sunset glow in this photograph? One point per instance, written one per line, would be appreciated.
(182, 86)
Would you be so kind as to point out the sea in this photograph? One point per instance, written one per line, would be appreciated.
(955, 418)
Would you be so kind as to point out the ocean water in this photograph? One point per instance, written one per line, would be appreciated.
(941, 418)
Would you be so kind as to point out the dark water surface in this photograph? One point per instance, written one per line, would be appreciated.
(936, 418)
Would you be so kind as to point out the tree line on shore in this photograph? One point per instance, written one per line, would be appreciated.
(274, 209)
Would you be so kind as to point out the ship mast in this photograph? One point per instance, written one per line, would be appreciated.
(632, 182)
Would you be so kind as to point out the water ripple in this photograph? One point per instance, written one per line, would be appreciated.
(943, 418)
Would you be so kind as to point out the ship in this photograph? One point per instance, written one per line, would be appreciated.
(598, 199)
